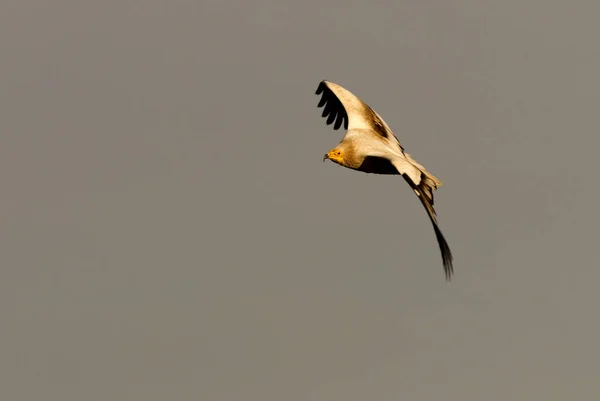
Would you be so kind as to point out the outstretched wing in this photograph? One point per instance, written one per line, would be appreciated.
(343, 107)
(424, 191)
(423, 184)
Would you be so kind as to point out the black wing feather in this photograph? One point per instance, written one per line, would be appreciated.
(334, 110)
(425, 195)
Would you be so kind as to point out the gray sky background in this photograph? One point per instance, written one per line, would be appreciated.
(169, 231)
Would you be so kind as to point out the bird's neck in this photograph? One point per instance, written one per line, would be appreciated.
(351, 157)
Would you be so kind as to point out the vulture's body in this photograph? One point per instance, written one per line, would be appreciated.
(370, 146)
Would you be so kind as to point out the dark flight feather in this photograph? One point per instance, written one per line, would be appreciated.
(425, 195)
(334, 109)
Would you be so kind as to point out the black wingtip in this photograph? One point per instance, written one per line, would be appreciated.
(445, 251)
(334, 109)
(320, 88)
(447, 258)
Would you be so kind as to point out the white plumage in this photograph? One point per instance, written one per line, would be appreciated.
(370, 146)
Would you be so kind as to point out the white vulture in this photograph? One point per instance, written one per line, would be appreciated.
(370, 146)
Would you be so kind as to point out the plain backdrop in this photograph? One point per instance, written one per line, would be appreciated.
(169, 232)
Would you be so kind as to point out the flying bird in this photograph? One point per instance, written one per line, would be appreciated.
(370, 146)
